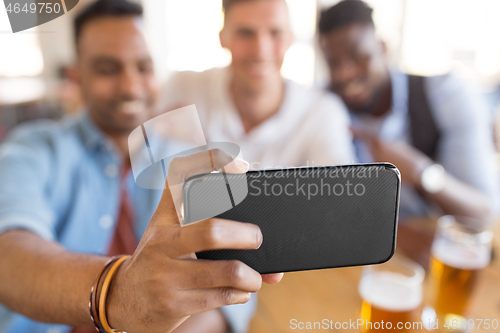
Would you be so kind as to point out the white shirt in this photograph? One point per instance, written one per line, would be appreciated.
(310, 128)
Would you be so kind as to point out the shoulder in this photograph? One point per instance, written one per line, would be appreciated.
(188, 87)
(40, 138)
(455, 102)
(448, 83)
(314, 100)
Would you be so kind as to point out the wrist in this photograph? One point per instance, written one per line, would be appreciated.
(418, 168)
(116, 313)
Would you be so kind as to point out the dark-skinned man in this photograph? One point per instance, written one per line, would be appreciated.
(433, 129)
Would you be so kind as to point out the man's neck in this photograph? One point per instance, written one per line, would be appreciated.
(119, 139)
(384, 103)
(256, 106)
(121, 142)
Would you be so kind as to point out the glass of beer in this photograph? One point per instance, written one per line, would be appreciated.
(461, 249)
(391, 293)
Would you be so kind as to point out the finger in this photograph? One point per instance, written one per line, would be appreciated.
(183, 167)
(201, 274)
(236, 166)
(272, 278)
(212, 234)
(201, 300)
(165, 213)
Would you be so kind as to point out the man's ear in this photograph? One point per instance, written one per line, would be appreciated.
(383, 47)
(223, 38)
(73, 73)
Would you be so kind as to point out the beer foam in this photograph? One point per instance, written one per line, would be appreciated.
(461, 255)
(390, 291)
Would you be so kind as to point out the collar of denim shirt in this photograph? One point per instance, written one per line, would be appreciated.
(93, 137)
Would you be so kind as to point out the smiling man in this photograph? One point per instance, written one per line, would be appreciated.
(68, 202)
(276, 122)
(433, 129)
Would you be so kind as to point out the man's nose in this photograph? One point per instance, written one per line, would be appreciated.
(346, 71)
(263, 46)
(130, 84)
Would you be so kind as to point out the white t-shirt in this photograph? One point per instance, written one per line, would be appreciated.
(310, 128)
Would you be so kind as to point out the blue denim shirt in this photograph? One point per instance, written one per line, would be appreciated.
(61, 180)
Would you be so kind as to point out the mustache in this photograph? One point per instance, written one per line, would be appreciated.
(142, 100)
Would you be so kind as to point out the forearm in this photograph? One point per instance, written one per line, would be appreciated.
(45, 282)
(458, 198)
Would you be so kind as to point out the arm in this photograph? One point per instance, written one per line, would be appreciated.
(456, 197)
(466, 148)
(154, 291)
(43, 281)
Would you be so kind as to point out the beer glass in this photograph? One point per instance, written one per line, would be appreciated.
(391, 293)
(461, 249)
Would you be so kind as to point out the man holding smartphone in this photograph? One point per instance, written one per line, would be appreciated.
(68, 202)
(433, 129)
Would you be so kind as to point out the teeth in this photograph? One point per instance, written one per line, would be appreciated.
(132, 107)
(353, 88)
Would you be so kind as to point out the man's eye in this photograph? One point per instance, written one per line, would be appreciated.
(146, 68)
(334, 63)
(276, 34)
(107, 70)
(245, 33)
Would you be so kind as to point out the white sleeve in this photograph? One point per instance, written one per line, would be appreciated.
(177, 92)
(331, 142)
(466, 147)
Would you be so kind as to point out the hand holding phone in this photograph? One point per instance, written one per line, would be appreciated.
(311, 218)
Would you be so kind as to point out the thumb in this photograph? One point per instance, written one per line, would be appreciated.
(170, 208)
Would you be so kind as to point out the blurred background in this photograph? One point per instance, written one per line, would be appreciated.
(425, 37)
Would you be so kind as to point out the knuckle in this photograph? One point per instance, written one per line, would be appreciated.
(221, 158)
(175, 168)
(176, 234)
(176, 161)
(235, 272)
(217, 153)
(214, 234)
(204, 303)
(226, 295)
(168, 306)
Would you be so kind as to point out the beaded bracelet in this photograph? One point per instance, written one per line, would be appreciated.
(104, 294)
(93, 291)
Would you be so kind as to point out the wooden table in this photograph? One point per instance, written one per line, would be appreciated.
(333, 294)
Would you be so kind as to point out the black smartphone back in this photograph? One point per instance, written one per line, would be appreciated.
(311, 218)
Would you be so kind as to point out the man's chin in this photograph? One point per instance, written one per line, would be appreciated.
(358, 107)
(125, 124)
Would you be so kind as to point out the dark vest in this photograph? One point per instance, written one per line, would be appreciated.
(424, 131)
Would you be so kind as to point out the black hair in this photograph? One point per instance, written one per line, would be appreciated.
(226, 4)
(105, 8)
(344, 13)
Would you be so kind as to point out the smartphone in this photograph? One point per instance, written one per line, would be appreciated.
(310, 217)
